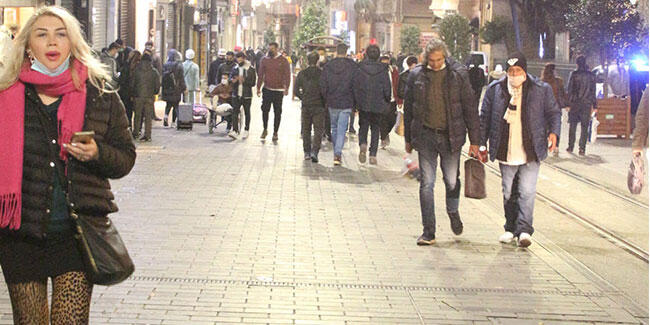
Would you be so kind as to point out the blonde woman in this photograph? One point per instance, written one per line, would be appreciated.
(50, 88)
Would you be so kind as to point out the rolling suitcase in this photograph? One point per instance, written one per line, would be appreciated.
(185, 116)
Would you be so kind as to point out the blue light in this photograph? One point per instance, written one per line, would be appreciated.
(640, 63)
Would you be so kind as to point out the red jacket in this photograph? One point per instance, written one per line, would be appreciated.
(274, 73)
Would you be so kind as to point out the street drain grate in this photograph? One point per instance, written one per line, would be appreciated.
(455, 290)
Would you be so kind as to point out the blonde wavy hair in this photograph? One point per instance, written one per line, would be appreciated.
(80, 50)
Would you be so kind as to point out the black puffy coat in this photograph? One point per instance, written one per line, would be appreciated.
(89, 189)
(462, 112)
(174, 95)
(372, 87)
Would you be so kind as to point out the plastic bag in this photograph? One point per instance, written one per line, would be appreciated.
(636, 174)
(411, 168)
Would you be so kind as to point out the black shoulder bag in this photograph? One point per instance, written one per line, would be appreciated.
(104, 254)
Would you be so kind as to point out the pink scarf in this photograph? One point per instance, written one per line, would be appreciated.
(70, 119)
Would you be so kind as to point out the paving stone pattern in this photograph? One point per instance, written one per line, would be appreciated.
(247, 232)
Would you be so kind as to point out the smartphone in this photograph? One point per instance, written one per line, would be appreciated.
(83, 137)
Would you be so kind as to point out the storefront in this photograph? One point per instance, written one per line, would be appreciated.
(17, 12)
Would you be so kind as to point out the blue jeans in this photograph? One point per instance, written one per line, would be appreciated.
(339, 125)
(519, 185)
(434, 145)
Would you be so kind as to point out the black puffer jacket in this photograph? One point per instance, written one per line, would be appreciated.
(307, 87)
(462, 114)
(372, 87)
(336, 83)
(89, 189)
(174, 95)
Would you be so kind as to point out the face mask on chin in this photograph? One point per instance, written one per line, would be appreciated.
(516, 81)
(40, 67)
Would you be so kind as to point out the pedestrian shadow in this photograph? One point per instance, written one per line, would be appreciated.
(339, 174)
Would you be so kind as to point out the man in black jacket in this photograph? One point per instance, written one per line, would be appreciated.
(242, 78)
(337, 88)
(307, 88)
(439, 108)
(214, 67)
(582, 95)
(373, 92)
(146, 84)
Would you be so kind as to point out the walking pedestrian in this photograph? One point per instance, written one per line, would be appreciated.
(214, 67)
(308, 89)
(156, 61)
(337, 89)
(146, 84)
(582, 95)
(126, 78)
(439, 110)
(191, 76)
(243, 78)
(44, 102)
(520, 123)
(373, 94)
(476, 79)
(390, 116)
(557, 84)
(173, 84)
(323, 59)
(274, 80)
(108, 57)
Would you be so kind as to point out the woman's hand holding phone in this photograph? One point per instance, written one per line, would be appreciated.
(83, 146)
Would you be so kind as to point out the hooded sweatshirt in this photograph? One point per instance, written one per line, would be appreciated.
(336, 83)
(372, 87)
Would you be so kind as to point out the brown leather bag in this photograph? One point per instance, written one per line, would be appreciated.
(474, 179)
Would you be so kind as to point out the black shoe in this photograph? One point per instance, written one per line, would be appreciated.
(145, 139)
(307, 156)
(275, 137)
(314, 158)
(165, 123)
(581, 152)
(569, 150)
(426, 239)
(456, 224)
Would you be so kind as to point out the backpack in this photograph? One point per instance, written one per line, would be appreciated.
(169, 82)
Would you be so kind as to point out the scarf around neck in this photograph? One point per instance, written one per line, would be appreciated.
(70, 119)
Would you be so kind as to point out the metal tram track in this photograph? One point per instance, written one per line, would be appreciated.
(602, 231)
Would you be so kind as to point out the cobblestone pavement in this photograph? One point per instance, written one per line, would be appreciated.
(245, 231)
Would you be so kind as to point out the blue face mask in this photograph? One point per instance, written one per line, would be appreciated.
(40, 67)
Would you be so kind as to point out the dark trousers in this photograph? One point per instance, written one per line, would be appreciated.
(369, 120)
(128, 107)
(238, 102)
(272, 97)
(579, 113)
(351, 126)
(388, 121)
(312, 116)
(173, 106)
(327, 126)
(143, 111)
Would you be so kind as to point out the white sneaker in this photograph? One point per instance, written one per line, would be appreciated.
(232, 134)
(244, 135)
(524, 240)
(506, 238)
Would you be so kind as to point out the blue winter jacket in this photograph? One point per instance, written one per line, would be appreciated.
(540, 113)
(336, 83)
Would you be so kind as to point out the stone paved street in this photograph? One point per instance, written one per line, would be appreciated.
(245, 231)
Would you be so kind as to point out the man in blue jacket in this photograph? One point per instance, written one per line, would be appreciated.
(520, 122)
(336, 87)
(439, 110)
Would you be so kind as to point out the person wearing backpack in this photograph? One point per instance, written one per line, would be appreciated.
(173, 84)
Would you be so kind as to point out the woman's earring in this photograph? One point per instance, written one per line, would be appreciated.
(30, 56)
